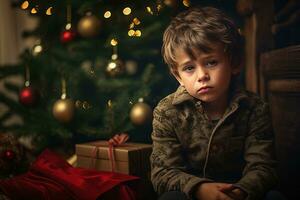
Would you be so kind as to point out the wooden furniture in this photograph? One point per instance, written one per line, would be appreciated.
(280, 85)
(275, 75)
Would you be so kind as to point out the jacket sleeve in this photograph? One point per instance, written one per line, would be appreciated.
(259, 174)
(168, 171)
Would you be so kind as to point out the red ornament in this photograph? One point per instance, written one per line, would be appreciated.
(67, 36)
(9, 154)
(29, 96)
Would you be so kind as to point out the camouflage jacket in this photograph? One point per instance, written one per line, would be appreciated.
(189, 149)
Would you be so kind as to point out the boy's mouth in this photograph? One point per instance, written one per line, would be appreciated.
(204, 89)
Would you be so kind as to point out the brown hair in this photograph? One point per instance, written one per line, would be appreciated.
(201, 28)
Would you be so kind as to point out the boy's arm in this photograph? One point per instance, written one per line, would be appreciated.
(259, 174)
(167, 165)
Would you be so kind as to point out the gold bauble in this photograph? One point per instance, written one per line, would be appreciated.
(141, 113)
(63, 110)
(115, 68)
(89, 26)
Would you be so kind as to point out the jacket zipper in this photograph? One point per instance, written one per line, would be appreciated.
(211, 136)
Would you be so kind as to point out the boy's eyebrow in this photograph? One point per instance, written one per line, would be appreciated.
(185, 63)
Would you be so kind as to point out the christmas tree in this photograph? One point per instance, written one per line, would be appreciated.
(96, 70)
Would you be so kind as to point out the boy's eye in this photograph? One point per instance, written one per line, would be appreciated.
(211, 63)
(188, 68)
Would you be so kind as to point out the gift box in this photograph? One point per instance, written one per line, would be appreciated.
(130, 158)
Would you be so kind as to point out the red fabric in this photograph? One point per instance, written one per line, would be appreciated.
(51, 177)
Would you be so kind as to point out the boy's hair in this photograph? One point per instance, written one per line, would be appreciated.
(202, 29)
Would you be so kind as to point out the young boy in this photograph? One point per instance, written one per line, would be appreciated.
(211, 139)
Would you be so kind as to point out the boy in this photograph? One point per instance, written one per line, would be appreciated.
(211, 140)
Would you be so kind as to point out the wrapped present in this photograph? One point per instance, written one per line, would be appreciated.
(127, 158)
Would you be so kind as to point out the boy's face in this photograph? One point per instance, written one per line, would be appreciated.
(206, 76)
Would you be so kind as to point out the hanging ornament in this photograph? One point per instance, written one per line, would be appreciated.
(89, 26)
(115, 66)
(9, 154)
(141, 113)
(28, 96)
(63, 109)
(68, 34)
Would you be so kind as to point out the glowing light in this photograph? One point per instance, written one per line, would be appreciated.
(109, 103)
(63, 96)
(136, 21)
(37, 49)
(114, 56)
(131, 32)
(149, 10)
(25, 5)
(131, 26)
(186, 3)
(114, 42)
(68, 26)
(138, 33)
(107, 14)
(33, 11)
(49, 11)
(127, 11)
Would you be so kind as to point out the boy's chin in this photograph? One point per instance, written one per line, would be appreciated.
(205, 98)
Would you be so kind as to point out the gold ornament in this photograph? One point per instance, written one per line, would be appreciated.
(141, 113)
(63, 110)
(89, 26)
(115, 67)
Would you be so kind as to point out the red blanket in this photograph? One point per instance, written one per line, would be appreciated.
(51, 177)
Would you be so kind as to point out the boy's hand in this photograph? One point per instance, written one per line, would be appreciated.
(212, 191)
(234, 192)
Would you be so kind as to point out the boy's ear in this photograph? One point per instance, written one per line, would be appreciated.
(176, 75)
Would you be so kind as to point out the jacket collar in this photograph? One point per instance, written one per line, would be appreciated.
(181, 95)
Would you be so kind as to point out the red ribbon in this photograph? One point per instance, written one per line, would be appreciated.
(116, 140)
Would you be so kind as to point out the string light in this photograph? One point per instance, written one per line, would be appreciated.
(136, 21)
(131, 26)
(127, 11)
(25, 5)
(186, 3)
(49, 11)
(107, 14)
(114, 42)
(159, 7)
(131, 32)
(33, 11)
(149, 10)
(138, 33)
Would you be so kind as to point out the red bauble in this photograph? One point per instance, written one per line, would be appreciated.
(67, 36)
(9, 155)
(29, 96)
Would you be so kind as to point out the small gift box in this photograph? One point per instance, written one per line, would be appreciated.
(127, 158)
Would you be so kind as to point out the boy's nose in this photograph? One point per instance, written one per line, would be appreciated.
(202, 75)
